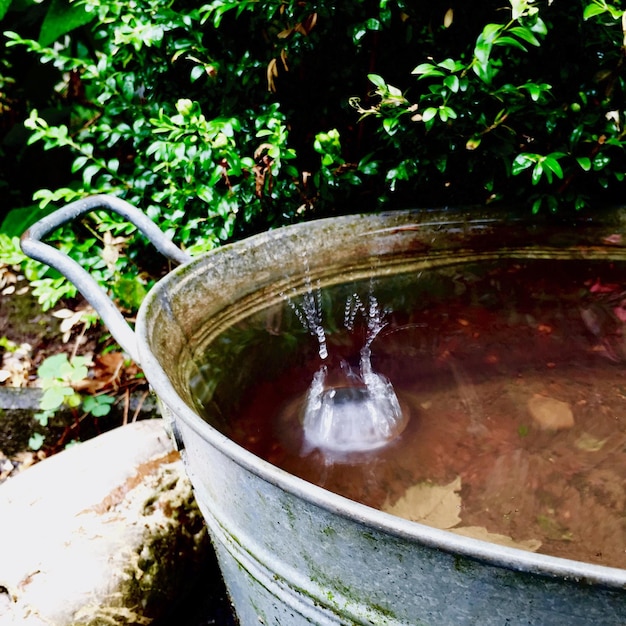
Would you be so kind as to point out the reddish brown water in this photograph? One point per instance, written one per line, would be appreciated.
(513, 378)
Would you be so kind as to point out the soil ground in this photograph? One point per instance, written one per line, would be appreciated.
(28, 335)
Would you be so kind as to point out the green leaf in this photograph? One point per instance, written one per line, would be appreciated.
(79, 370)
(43, 417)
(429, 114)
(368, 167)
(521, 32)
(54, 397)
(373, 24)
(616, 13)
(452, 83)
(53, 367)
(62, 17)
(446, 113)
(539, 27)
(89, 172)
(4, 7)
(390, 125)
(328, 159)
(427, 69)
(522, 162)
(518, 8)
(196, 72)
(538, 172)
(451, 65)
(79, 162)
(18, 220)
(593, 9)
(510, 42)
(379, 81)
(98, 406)
(358, 34)
(600, 161)
(394, 91)
(36, 441)
(534, 91)
(10, 254)
(482, 52)
(580, 203)
(490, 32)
(552, 202)
(553, 165)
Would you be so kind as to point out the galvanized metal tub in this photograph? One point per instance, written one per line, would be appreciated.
(294, 553)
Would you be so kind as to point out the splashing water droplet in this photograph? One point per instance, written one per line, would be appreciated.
(361, 413)
(357, 417)
(309, 312)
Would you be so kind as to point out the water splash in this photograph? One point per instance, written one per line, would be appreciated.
(374, 315)
(358, 410)
(309, 311)
(358, 417)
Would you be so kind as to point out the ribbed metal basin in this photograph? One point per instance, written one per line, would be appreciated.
(294, 553)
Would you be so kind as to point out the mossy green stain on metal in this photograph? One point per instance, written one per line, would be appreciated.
(291, 516)
(371, 538)
(344, 600)
(461, 564)
(329, 531)
(260, 615)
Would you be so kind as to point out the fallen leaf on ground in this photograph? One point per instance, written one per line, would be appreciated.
(16, 365)
(479, 532)
(105, 373)
(620, 311)
(614, 239)
(589, 443)
(599, 287)
(549, 413)
(434, 505)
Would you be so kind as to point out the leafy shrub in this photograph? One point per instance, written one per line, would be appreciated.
(528, 112)
(224, 118)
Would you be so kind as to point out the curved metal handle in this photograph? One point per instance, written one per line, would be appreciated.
(33, 246)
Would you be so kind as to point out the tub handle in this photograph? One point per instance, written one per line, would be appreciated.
(33, 246)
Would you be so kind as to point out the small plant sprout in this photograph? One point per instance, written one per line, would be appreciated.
(59, 375)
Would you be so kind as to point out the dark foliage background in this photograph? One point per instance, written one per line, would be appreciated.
(221, 119)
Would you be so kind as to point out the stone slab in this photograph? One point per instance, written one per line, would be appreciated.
(104, 532)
